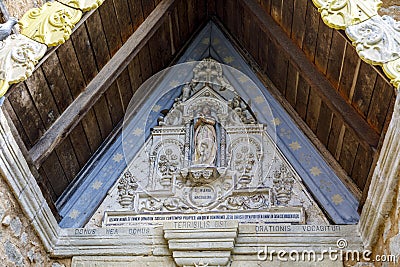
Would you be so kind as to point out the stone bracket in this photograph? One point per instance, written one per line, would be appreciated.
(201, 243)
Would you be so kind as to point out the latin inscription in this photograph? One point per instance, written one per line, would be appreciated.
(291, 228)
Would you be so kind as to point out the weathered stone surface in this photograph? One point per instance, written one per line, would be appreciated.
(20, 245)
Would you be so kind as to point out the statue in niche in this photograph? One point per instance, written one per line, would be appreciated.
(205, 139)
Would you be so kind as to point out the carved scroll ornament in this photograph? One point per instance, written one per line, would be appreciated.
(377, 40)
(50, 24)
(18, 56)
(339, 14)
(84, 5)
(392, 70)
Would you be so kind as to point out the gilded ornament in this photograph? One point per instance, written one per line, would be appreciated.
(84, 5)
(18, 56)
(377, 40)
(50, 24)
(339, 14)
(392, 70)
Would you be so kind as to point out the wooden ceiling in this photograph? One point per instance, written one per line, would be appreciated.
(78, 94)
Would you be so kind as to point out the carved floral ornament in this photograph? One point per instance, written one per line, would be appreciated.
(84, 5)
(18, 56)
(50, 24)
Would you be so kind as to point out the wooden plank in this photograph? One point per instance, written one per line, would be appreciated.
(246, 36)
(335, 60)
(71, 68)
(291, 85)
(55, 174)
(303, 90)
(92, 130)
(299, 22)
(266, 5)
(263, 43)
(349, 68)
(378, 109)
(324, 123)
(287, 16)
(16, 122)
(202, 9)
(123, 18)
(364, 88)
(311, 31)
(136, 12)
(124, 87)
(145, 62)
(219, 7)
(46, 187)
(362, 166)
(135, 74)
(191, 14)
(80, 145)
(103, 109)
(42, 98)
(183, 20)
(57, 82)
(276, 7)
(68, 160)
(147, 6)
(334, 135)
(26, 111)
(313, 108)
(114, 105)
(313, 77)
(277, 66)
(84, 54)
(348, 152)
(323, 46)
(98, 40)
(111, 27)
(96, 88)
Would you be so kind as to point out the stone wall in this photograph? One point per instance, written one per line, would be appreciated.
(19, 243)
(389, 241)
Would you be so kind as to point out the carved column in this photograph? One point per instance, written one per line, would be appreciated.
(223, 146)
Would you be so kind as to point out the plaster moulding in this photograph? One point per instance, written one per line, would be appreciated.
(392, 70)
(18, 56)
(84, 5)
(50, 24)
(376, 40)
(339, 14)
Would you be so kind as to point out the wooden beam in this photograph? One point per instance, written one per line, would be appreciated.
(313, 77)
(96, 88)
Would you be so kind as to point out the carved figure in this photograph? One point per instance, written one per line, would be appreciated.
(205, 139)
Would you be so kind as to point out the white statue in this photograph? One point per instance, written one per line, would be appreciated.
(205, 139)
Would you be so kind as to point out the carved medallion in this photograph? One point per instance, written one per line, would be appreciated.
(377, 40)
(19, 55)
(50, 24)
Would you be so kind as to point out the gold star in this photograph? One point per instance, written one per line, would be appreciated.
(259, 99)
(276, 121)
(315, 171)
(243, 79)
(229, 59)
(96, 185)
(118, 157)
(206, 41)
(138, 131)
(337, 199)
(156, 108)
(174, 83)
(215, 41)
(74, 214)
(295, 146)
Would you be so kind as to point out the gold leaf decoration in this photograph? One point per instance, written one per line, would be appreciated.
(84, 5)
(339, 14)
(18, 56)
(392, 70)
(50, 24)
